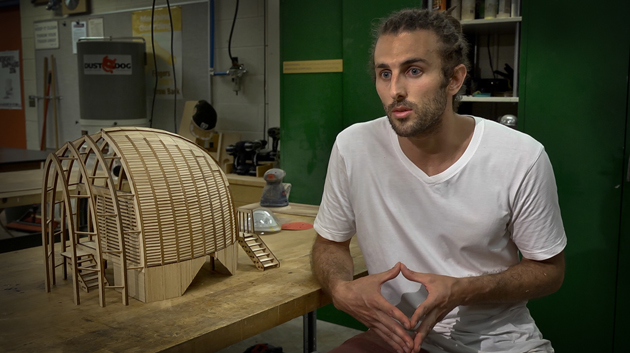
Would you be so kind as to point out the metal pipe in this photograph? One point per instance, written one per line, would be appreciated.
(110, 38)
(517, 44)
(309, 327)
(45, 97)
(211, 45)
(211, 35)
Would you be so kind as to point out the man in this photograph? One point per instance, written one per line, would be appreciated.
(441, 204)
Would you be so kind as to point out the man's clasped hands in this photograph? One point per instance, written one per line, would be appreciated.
(362, 299)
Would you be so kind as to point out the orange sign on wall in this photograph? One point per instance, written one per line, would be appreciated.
(13, 122)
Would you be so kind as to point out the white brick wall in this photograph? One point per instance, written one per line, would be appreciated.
(248, 113)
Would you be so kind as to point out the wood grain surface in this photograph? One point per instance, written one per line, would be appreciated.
(20, 188)
(216, 311)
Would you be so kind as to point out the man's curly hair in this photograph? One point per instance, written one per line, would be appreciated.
(453, 49)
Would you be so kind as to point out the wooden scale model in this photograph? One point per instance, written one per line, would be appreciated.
(156, 205)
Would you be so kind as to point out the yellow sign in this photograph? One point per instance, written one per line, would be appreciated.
(141, 21)
(311, 66)
(141, 27)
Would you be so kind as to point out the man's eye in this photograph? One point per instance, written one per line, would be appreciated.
(385, 74)
(415, 71)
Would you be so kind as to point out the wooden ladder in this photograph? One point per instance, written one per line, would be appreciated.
(258, 251)
(87, 269)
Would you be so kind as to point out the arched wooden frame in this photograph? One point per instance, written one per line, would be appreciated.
(70, 154)
(86, 183)
(180, 166)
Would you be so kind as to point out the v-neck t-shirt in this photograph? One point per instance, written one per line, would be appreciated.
(498, 199)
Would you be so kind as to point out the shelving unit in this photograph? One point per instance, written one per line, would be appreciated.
(492, 24)
(490, 99)
(500, 30)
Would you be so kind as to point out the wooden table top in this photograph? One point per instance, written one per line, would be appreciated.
(20, 188)
(245, 180)
(216, 311)
(10, 155)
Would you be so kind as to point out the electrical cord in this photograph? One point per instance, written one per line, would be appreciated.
(490, 59)
(155, 70)
(232, 31)
(266, 112)
(154, 65)
(173, 66)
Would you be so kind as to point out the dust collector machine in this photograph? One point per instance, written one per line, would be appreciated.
(112, 82)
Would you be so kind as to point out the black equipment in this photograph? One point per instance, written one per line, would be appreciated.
(245, 156)
(248, 154)
(272, 155)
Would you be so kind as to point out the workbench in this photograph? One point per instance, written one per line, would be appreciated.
(14, 159)
(245, 189)
(216, 311)
(19, 188)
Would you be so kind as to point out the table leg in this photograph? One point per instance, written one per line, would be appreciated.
(310, 332)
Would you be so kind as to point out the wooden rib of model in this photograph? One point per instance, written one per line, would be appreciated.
(150, 202)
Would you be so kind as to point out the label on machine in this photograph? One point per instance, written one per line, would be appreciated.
(107, 64)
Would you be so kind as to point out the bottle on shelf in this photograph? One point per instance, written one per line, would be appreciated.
(490, 9)
(504, 10)
(468, 10)
(457, 11)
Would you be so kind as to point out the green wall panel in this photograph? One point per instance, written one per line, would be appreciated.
(316, 107)
(622, 325)
(311, 104)
(573, 100)
(360, 100)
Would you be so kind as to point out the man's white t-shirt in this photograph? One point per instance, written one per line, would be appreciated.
(472, 219)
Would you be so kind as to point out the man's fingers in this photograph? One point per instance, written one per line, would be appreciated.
(395, 328)
(421, 310)
(398, 347)
(389, 326)
(411, 275)
(395, 313)
(400, 344)
(390, 274)
(425, 327)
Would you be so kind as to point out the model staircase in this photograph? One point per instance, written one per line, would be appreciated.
(87, 269)
(258, 251)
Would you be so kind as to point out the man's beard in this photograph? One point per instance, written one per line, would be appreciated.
(424, 120)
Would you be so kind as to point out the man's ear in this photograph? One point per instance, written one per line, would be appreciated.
(457, 80)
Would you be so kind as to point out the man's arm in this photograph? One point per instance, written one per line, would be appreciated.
(332, 263)
(361, 298)
(527, 280)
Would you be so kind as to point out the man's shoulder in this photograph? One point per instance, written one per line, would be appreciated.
(502, 148)
(367, 126)
(360, 131)
(499, 138)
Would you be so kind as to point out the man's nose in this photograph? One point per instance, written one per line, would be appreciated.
(397, 89)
